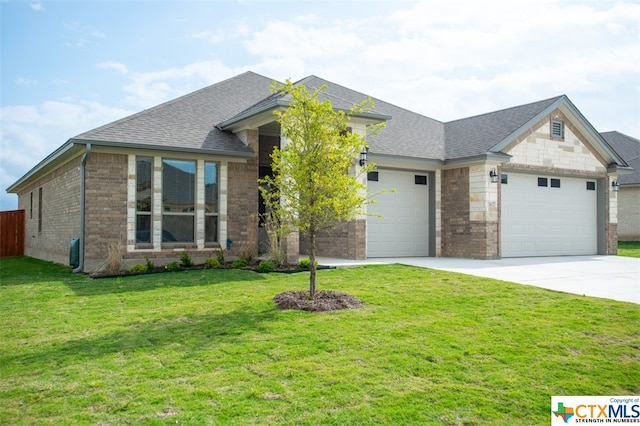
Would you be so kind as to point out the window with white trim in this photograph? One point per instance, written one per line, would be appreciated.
(178, 200)
(144, 191)
(211, 208)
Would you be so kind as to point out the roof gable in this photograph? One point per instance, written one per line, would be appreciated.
(407, 134)
(493, 132)
(481, 133)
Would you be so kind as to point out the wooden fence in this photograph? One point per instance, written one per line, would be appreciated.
(12, 233)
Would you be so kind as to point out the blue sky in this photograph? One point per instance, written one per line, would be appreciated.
(71, 66)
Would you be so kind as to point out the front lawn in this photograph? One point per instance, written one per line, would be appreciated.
(209, 347)
(629, 248)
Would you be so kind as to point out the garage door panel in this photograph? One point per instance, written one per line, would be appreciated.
(403, 229)
(546, 221)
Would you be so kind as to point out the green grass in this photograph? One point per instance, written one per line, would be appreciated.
(629, 248)
(209, 347)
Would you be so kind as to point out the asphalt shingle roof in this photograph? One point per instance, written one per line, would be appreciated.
(629, 149)
(477, 135)
(189, 121)
(407, 133)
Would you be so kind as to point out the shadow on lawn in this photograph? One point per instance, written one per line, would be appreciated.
(146, 282)
(185, 333)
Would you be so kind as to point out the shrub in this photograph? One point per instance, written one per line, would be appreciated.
(240, 263)
(306, 263)
(138, 268)
(220, 255)
(211, 263)
(185, 259)
(113, 264)
(149, 264)
(172, 266)
(266, 266)
(249, 248)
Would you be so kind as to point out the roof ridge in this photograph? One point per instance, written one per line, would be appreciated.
(376, 100)
(555, 98)
(162, 105)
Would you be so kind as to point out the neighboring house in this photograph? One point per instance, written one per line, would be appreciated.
(532, 180)
(629, 193)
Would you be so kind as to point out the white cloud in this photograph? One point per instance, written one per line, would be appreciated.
(281, 39)
(25, 82)
(31, 132)
(117, 66)
(213, 37)
(151, 88)
(37, 6)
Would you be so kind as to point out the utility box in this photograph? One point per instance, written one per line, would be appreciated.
(74, 253)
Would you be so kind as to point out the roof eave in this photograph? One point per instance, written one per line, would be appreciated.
(239, 120)
(51, 158)
(488, 157)
(130, 145)
(620, 170)
(234, 121)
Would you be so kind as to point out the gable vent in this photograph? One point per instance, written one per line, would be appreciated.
(557, 129)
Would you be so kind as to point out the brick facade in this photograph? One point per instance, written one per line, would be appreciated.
(456, 229)
(629, 213)
(242, 194)
(60, 213)
(106, 206)
(345, 241)
(469, 219)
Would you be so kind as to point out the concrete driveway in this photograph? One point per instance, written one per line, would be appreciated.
(610, 277)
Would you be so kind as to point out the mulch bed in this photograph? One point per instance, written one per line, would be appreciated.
(323, 301)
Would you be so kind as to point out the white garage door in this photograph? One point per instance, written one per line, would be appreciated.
(403, 231)
(548, 216)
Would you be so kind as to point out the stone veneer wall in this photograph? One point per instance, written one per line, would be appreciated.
(345, 241)
(60, 213)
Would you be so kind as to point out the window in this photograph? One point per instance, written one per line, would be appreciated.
(31, 205)
(39, 210)
(542, 182)
(591, 186)
(557, 129)
(178, 200)
(504, 178)
(144, 190)
(210, 202)
(555, 183)
(420, 179)
(372, 176)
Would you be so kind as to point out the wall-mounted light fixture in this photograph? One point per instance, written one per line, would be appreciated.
(363, 156)
(493, 175)
(615, 186)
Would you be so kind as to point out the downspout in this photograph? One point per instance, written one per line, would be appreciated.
(83, 163)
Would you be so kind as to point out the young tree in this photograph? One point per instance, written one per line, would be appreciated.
(315, 182)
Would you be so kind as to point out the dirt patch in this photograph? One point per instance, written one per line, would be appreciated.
(323, 301)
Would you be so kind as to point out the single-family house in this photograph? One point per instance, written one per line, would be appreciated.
(531, 180)
(629, 189)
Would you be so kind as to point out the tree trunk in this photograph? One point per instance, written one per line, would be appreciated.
(312, 266)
